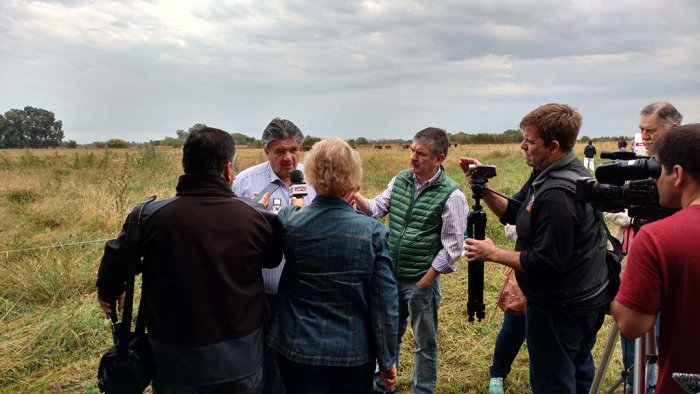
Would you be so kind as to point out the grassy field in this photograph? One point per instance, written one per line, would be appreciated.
(57, 207)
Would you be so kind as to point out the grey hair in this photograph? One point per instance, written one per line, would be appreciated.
(667, 113)
(281, 129)
(435, 138)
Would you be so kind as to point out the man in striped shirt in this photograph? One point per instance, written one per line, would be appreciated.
(282, 145)
(427, 218)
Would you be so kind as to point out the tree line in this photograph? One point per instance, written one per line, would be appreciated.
(33, 127)
(30, 128)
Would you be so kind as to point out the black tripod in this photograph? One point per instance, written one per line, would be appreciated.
(476, 229)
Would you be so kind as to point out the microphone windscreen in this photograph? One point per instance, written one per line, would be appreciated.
(296, 176)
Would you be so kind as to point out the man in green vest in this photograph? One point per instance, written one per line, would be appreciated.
(427, 218)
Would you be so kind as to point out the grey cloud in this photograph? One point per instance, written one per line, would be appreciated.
(341, 67)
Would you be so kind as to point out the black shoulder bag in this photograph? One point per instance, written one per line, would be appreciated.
(128, 366)
(613, 259)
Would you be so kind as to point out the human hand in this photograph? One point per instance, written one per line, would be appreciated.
(388, 377)
(464, 163)
(479, 250)
(349, 198)
(361, 203)
(107, 306)
(297, 202)
(264, 200)
(425, 282)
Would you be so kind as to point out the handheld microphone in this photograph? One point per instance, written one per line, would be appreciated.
(298, 188)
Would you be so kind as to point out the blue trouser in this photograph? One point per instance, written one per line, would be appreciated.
(559, 342)
(508, 343)
(421, 305)
(314, 379)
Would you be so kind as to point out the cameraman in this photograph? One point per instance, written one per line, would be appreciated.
(560, 254)
(663, 270)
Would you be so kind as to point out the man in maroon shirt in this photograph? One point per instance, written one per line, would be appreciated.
(663, 269)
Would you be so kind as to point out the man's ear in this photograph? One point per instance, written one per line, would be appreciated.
(554, 146)
(440, 158)
(679, 175)
(228, 174)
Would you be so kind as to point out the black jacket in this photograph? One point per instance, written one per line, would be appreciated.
(561, 242)
(589, 151)
(202, 284)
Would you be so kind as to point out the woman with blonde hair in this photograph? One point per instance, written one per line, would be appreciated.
(336, 315)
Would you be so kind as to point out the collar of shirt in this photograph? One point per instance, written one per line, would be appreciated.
(271, 176)
(420, 187)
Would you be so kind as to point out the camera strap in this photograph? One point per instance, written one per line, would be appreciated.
(566, 180)
(134, 223)
(570, 184)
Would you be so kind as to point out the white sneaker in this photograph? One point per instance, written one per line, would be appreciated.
(496, 386)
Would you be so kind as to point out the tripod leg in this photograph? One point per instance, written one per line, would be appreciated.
(604, 359)
(640, 376)
(651, 356)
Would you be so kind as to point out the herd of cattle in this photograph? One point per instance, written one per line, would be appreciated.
(307, 148)
(402, 146)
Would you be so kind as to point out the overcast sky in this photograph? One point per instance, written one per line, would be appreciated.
(140, 70)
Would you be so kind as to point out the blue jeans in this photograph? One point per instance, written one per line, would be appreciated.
(508, 343)
(249, 385)
(422, 307)
(559, 341)
(315, 379)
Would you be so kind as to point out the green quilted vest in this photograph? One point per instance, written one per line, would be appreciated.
(415, 225)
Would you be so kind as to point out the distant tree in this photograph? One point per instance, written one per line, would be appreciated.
(242, 139)
(514, 136)
(309, 141)
(174, 142)
(116, 143)
(196, 126)
(30, 128)
(70, 144)
(361, 141)
(182, 134)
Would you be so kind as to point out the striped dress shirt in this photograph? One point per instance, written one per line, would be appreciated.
(253, 180)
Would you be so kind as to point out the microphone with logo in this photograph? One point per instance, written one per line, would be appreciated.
(298, 188)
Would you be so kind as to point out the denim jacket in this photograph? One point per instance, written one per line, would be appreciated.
(338, 301)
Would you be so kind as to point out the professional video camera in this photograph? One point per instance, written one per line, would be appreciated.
(626, 183)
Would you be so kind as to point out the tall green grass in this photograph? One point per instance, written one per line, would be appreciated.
(51, 330)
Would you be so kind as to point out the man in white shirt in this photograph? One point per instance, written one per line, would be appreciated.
(282, 145)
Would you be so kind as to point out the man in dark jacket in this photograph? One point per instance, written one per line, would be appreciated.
(589, 156)
(560, 253)
(203, 294)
